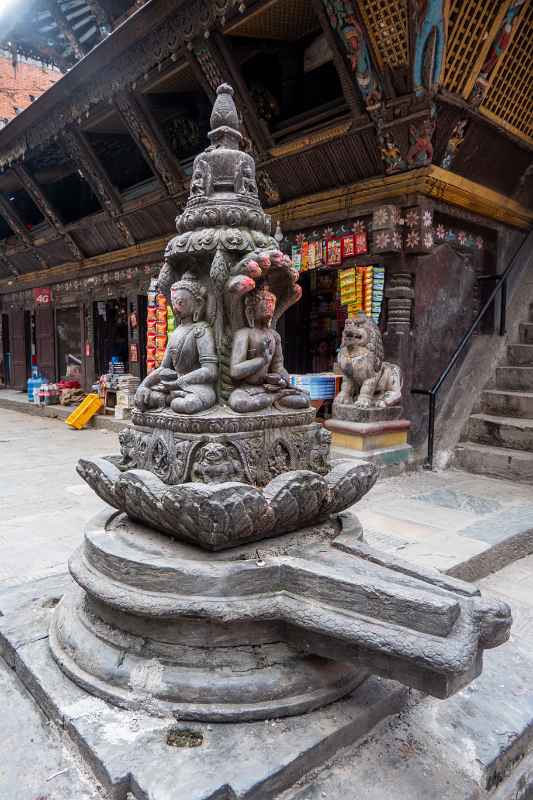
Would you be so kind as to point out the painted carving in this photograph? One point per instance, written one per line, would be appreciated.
(420, 152)
(390, 151)
(455, 141)
(187, 375)
(257, 361)
(343, 19)
(496, 50)
(430, 43)
(368, 381)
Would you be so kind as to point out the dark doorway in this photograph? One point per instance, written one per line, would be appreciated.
(110, 333)
(5, 354)
(69, 358)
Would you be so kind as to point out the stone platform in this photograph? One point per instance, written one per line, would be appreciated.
(376, 435)
(469, 747)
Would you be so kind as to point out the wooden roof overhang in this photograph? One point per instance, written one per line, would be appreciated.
(314, 160)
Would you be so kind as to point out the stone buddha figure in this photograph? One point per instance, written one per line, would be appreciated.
(257, 361)
(186, 379)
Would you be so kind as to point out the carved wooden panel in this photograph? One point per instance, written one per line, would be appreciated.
(386, 23)
(510, 97)
(469, 24)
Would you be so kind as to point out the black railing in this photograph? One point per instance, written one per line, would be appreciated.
(501, 286)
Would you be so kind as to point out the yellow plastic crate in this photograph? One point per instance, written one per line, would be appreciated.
(84, 412)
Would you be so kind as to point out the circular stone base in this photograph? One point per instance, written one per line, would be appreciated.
(172, 630)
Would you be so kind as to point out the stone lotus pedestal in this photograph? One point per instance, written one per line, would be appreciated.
(374, 434)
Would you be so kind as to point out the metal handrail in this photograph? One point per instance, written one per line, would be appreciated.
(501, 286)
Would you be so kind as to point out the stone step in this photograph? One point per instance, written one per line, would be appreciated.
(506, 403)
(499, 462)
(520, 354)
(526, 332)
(514, 377)
(500, 431)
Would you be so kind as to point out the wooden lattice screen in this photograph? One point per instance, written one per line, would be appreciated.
(510, 97)
(287, 20)
(386, 23)
(469, 24)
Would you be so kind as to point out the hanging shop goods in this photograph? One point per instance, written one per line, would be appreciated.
(159, 324)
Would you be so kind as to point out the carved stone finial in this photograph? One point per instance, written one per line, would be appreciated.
(224, 112)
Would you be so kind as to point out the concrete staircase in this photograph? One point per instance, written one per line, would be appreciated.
(498, 441)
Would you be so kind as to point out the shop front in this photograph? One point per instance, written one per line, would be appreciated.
(73, 329)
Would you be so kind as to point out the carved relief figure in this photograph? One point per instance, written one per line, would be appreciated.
(217, 463)
(257, 361)
(201, 177)
(455, 141)
(186, 378)
(420, 152)
(390, 153)
(245, 178)
(368, 381)
(428, 22)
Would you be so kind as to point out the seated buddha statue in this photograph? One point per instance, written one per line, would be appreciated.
(186, 379)
(256, 368)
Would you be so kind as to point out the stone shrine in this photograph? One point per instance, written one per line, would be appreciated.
(367, 411)
(226, 584)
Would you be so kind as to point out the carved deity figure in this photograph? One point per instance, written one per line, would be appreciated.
(257, 361)
(186, 379)
(368, 381)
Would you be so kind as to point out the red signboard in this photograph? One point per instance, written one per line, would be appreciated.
(43, 296)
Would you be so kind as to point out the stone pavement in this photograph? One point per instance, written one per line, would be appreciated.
(434, 519)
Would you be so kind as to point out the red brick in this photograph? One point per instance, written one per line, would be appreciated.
(18, 83)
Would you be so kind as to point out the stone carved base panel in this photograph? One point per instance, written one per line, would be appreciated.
(352, 412)
(248, 448)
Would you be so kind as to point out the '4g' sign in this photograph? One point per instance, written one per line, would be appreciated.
(43, 296)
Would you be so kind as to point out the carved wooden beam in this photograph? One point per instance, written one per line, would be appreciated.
(348, 89)
(15, 222)
(103, 20)
(64, 26)
(83, 156)
(150, 141)
(17, 226)
(47, 209)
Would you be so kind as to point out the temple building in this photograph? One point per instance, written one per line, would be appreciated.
(393, 141)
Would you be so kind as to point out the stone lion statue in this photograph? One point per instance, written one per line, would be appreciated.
(368, 381)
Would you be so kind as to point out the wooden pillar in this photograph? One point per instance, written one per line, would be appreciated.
(45, 340)
(17, 341)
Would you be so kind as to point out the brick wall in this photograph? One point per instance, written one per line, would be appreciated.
(21, 85)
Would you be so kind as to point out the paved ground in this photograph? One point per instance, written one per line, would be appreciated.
(430, 518)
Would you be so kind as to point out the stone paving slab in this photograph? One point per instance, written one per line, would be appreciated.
(466, 525)
(36, 763)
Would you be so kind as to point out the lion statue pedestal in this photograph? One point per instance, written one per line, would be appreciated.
(367, 411)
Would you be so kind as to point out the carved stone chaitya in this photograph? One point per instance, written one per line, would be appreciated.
(223, 584)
